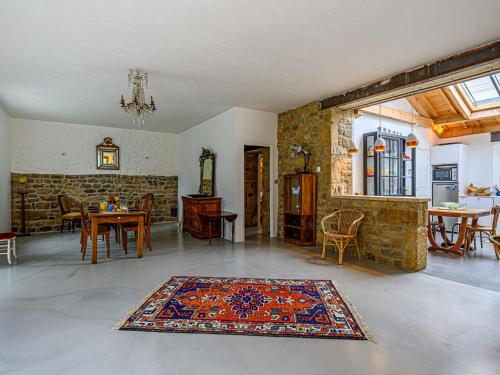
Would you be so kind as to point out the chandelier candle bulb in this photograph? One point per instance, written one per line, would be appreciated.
(137, 108)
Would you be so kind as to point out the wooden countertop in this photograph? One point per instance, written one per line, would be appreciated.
(382, 198)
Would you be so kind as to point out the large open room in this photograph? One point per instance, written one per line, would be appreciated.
(259, 187)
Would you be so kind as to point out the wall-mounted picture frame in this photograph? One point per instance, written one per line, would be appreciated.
(108, 155)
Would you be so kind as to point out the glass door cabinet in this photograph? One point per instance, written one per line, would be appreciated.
(390, 172)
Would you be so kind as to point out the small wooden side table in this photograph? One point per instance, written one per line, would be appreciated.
(220, 217)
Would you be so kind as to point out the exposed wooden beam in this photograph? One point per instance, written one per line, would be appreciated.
(418, 106)
(477, 115)
(430, 109)
(396, 114)
(457, 101)
(459, 132)
(447, 120)
(421, 78)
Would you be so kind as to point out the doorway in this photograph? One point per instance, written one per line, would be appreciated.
(257, 190)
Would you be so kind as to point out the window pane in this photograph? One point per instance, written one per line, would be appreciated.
(482, 89)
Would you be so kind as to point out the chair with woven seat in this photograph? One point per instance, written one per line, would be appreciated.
(495, 240)
(8, 246)
(102, 230)
(73, 217)
(145, 205)
(340, 229)
(489, 230)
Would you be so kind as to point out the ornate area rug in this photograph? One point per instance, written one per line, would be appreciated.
(269, 307)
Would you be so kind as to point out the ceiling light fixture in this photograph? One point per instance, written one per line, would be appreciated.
(412, 140)
(353, 147)
(380, 142)
(137, 108)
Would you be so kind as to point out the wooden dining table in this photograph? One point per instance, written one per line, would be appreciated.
(107, 217)
(465, 235)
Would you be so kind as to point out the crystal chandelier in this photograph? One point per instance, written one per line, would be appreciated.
(137, 108)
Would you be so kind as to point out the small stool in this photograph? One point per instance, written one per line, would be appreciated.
(8, 246)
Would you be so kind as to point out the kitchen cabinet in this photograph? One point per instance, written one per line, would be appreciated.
(390, 172)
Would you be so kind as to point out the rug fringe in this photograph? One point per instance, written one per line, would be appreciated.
(136, 307)
(362, 323)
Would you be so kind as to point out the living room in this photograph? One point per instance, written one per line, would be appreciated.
(125, 135)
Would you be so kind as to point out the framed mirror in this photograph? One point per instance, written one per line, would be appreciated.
(207, 173)
(108, 155)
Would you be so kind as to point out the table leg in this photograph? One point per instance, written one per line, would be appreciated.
(140, 234)
(223, 229)
(470, 236)
(93, 231)
(232, 231)
(455, 248)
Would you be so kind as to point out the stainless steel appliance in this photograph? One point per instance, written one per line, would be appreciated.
(445, 192)
(445, 173)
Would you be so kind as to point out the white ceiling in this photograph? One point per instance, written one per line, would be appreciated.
(68, 61)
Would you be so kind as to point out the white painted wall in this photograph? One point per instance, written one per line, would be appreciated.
(368, 123)
(257, 128)
(226, 134)
(5, 147)
(479, 158)
(40, 145)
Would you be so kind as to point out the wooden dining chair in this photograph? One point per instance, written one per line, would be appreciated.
(339, 229)
(65, 204)
(145, 205)
(488, 230)
(102, 230)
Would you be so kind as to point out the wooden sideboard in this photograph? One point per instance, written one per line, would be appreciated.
(193, 208)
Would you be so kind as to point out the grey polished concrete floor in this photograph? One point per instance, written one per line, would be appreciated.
(56, 314)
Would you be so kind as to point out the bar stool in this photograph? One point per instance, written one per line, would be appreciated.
(8, 246)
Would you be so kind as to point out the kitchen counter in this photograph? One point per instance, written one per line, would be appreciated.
(384, 198)
(393, 231)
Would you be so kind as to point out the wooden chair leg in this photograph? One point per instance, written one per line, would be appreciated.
(107, 244)
(84, 247)
(324, 248)
(62, 225)
(341, 251)
(357, 247)
(125, 241)
(148, 239)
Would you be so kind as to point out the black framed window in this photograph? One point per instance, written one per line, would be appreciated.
(391, 172)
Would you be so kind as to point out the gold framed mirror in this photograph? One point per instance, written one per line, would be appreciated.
(207, 173)
(108, 155)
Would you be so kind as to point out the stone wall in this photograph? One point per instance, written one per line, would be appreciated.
(326, 134)
(43, 213)
(393, 231)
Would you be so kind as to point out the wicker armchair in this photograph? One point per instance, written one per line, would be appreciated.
(339, 229)
(495, 240)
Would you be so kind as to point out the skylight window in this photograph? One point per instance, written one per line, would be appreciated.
(484, 89)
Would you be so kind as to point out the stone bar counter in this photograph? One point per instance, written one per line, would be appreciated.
(394, 230)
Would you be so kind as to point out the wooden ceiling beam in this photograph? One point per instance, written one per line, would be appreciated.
(427, 105)
(396, 114)
(440, 73)
(470, 130)
(457, 101)
(419, 108)
(474, 116)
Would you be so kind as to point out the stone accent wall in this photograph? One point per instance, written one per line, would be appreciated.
(43, 213)
(393, 231)
(326, 134)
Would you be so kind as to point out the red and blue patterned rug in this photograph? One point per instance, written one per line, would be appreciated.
(238, 306)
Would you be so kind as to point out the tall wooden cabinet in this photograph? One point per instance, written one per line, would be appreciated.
(193, 208)
(300, 209)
